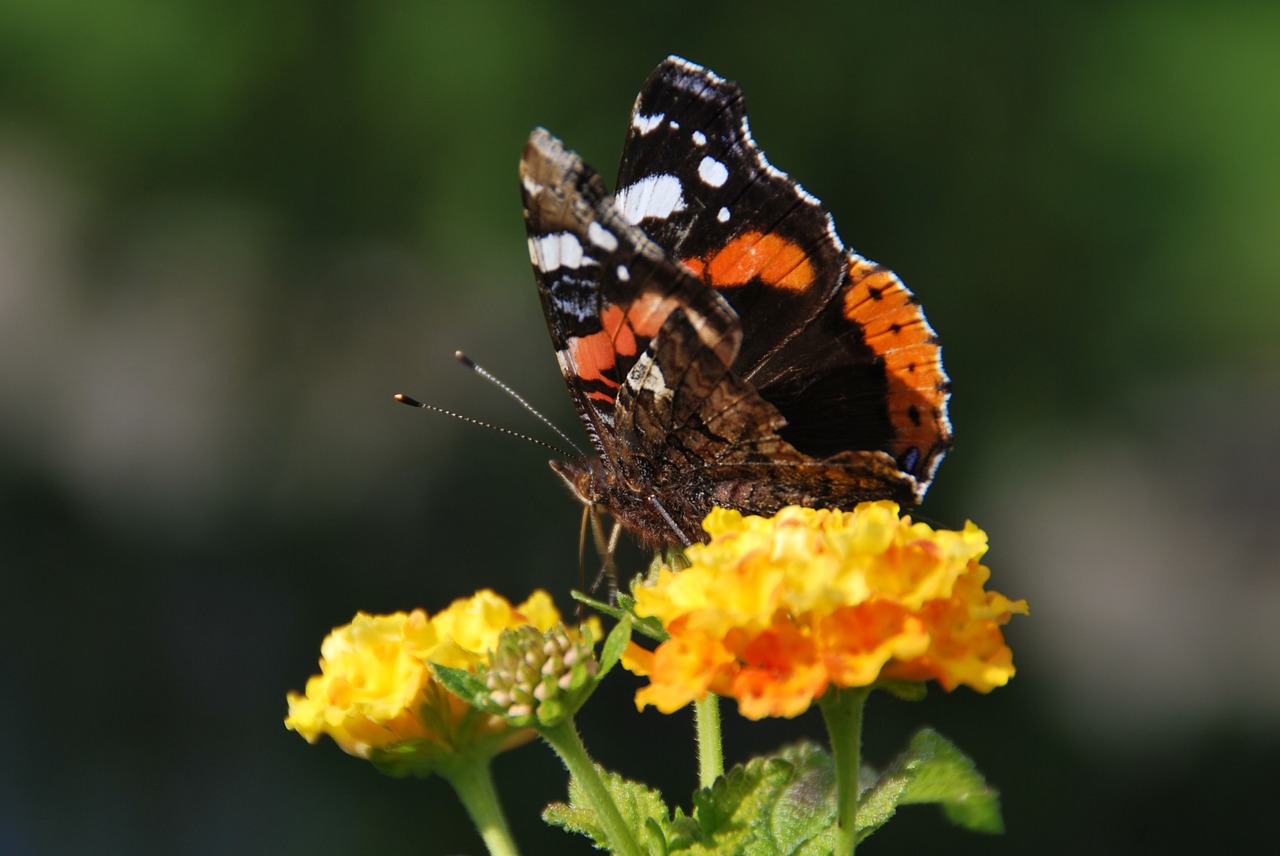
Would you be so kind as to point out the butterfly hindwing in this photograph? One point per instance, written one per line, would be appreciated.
(698, 434)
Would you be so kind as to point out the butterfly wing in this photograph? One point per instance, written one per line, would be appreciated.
(834, 341)
(701, 435)
(742, 225)
(606, 288)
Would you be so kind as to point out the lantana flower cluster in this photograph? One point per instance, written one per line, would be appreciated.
(377, 689)
(773, 612)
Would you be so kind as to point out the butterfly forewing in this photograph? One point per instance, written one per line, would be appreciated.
(771, 248)
(694, 180)
(605, 287)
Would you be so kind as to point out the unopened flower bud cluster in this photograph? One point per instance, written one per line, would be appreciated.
(537, 678)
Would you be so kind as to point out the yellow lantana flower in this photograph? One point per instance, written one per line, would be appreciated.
(773, 611)
(376, 688)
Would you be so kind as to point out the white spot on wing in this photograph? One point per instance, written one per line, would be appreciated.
(699, 138)
(653, 380)
(602, 237)
(656, 196)
(644, 124)
(675, 126)
(723, 214)
(531, 187)
(623, 273)
(712, 172)
(557, 250)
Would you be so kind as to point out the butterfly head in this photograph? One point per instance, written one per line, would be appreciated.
(580, 476)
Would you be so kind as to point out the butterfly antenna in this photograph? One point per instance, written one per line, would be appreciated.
(413, 402)
(484, 373)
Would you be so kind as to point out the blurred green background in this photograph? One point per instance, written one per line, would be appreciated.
(229, 231)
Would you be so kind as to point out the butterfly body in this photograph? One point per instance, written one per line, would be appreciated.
(721, 345)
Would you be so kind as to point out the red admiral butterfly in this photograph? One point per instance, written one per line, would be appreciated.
(721, 345)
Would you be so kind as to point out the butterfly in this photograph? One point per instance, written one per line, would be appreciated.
(720, 343)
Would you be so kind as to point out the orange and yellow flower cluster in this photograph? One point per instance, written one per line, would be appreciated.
(376, 688)
(774, 611)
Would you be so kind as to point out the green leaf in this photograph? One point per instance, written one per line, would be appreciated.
(648, 626)
(463, 684)
(655, 839)
(614, 645)
(879, 801)
(770, 806)
(802, 820)
(641, 807)
(783, 804)
(730, 813)
(945, 775)
(626, 605)
(932, 770)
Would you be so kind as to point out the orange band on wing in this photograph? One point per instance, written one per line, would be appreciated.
(770, 258)
(597, 353)
(895, 328)
(593, 355)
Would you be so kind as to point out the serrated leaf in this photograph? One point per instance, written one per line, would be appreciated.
(803, 817)
(638, 804)
(573, 818)
(932, 770)
(462, 683)
(942, 774)
(740, 797)
(879, 802)
(682, 833)
(783, 804)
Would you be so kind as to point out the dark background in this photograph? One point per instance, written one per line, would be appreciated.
(230, 230)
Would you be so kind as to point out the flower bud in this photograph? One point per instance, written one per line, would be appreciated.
(540, 678)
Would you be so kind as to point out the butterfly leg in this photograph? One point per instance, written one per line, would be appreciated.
(605, 548)
(582, 557)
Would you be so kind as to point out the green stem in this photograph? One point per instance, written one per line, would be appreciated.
(706, 717)
(472, 780)
(842, 711)
(565, 741)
